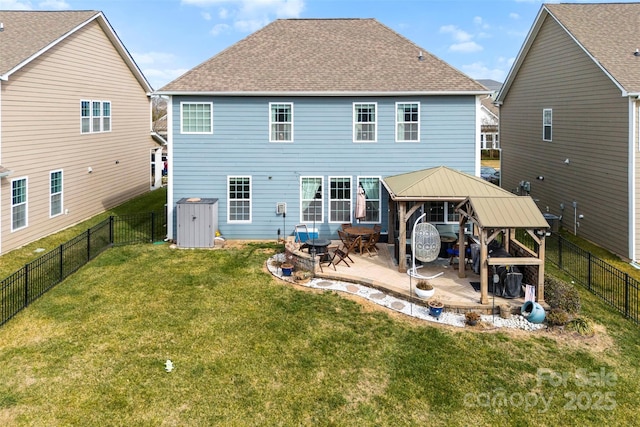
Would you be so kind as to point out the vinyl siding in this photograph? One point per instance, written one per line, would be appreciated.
(41, 133)
(323, 146)
(590, 128)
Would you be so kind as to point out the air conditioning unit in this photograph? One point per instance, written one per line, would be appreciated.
(281, 208)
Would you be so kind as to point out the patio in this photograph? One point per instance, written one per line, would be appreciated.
(381, 272)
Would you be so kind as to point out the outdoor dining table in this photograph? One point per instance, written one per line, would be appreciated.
(363, 232)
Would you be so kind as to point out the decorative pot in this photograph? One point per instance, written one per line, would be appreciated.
(435, 308)
(426, 294)
(533, 312)
(286, 269)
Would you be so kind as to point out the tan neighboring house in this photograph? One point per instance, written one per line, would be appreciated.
(74, 122)
(489, 116)
(569, 121)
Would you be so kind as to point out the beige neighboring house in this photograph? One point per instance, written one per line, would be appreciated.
(489, 116)
(74, 122)
(569, 119)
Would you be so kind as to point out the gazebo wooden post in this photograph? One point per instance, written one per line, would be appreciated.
(541, 254)
(402, 238)
(462, 249)
(484, 268)
(391, 227)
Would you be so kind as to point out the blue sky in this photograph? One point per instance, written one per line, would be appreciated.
(168, 37)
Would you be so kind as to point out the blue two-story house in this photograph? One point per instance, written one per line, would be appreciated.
(300, 114)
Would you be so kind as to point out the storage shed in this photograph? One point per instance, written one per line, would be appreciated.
(197, 221)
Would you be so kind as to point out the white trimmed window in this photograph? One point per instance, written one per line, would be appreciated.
(547, 124)
(196, 117)
(407, 122)
(441, 212)
(239, 199)
(364, 122)
(340, 199)
(18, 203)
(55, 193)
(311, 199)
(95, 116)
(280, 122)
(372, 193)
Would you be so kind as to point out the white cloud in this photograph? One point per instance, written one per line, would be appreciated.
(479, 70)
(160, 77)
(457, 34)
(206, 16)
(466, 47)
(16, 5)
(223, 13)
(219, 28)
(514, 15)
(54, 5)
(148, 58)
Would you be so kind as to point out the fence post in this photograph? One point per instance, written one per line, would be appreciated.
(559, 251)
(88, 244)
(153, 226)
(61, 263)
(626, 294)
(26, 285)
(111, 229)
(589, 270)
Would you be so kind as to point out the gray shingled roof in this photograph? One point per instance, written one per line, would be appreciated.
(26, 33)
(323, 55)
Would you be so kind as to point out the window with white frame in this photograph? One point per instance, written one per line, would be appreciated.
(311, 199)
(196, 117)
(441, 212)
(18, 203)
(281, 122)
(95, 116)
(547, 124)
(372, 193)
(364, 122)
(408, 122)
(239, 199)
(55, 193)
(340, 199)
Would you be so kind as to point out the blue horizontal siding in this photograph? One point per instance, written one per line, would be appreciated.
(323, 146)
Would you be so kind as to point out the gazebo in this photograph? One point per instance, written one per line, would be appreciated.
(492, 210)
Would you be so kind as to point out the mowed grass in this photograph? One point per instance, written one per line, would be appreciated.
(251, 350)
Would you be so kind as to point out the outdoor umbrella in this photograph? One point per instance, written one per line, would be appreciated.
(361, 202)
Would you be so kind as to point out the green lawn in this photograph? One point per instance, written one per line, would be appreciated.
(250, 350)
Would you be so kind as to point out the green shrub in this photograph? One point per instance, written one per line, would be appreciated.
(581, 326)
(561, 295)
(557, 317)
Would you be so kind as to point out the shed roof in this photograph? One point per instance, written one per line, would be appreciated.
(440, 183)
(507, 212)
(323, 56)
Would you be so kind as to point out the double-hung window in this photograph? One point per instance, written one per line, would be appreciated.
(196, 117)
(340, 199)
(407, 122)
(371, 187)
(441, 212)
(280, 122)
(311, 199)
(95, 116)
(239, 199)
(55, 193)
(18, 203)
(547, 124)
(364, 122)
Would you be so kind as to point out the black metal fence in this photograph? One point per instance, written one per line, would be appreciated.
(612, 285)
(34, 279)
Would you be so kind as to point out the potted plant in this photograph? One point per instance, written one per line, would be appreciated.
(435, 308)
(302, 276)
(287, 268)
(471, 318)
(424, 289)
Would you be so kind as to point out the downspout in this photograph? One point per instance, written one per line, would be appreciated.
(634, 147)
(170, 204)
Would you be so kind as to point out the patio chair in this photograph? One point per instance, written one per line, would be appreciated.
(301, 232)
(347, 240)
(370, 244)
(342, 253)
(345, 226)
(327, 258)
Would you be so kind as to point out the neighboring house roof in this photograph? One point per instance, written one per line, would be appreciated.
(492, 109)
(490, 84)
(28, 34)
(321, 56)
(607, 32)
(440, 183)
